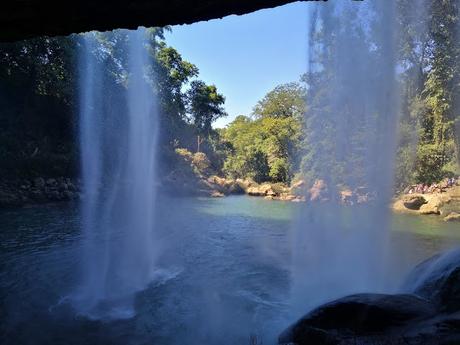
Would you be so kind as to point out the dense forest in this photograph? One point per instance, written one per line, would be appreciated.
(39, 105)
(40, 88)
(426, 91)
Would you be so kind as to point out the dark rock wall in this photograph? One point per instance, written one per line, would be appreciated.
(21, 19)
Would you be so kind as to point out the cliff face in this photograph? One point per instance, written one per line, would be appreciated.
(21, 19)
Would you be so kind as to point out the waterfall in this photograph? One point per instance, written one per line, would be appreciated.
(118, 131)
(350, 128)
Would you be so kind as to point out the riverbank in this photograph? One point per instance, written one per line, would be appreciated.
(445, 203)
(21, 192)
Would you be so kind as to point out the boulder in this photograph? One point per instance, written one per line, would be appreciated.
(413, 202)
(260, 190)
(225, 186)
(319, 191)
(217, 194)
(220, 181)
(437, 279)
(54, 195)
(453, 216)
(51, 182)
(358, 317)
(287, 197)
(271, 193)
(72, 187)
(235, 188)
(25, 186)
(9, 199)
(428, 312)
(398, 206)
(298, 187)
(347, 197)
(63, 186)
(431, 207)
(298, 184)
(298, 199)
(39, 182)
(254, 191)
(246, 183)
(68, 195)
(37, 195)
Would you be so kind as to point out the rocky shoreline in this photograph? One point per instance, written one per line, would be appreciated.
(445, 204)
(22, 192)
(271, 191)
(40, 190)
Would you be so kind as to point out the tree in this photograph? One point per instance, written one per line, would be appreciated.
(442, 83)
(286, 100)
(205, 105)
(268, 147)
(429, 52)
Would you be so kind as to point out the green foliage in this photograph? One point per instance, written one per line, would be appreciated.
(201, 162)
(428, 63)
(287, 100)
(39, 121)
(172, 73)
(36, 101)
(430, 52)
(39, 99)
(192, 164)
(205, 106)
(267, 148)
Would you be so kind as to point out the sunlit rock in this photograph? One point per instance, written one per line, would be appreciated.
(453, 216)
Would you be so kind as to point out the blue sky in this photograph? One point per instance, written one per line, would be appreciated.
(246, 56)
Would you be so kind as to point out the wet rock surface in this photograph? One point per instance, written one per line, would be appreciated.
(438, 279)
(427, 313)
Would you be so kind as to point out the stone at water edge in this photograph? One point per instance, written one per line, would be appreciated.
(319, 191)
(217, 194)
(347, 197)
(428, 312)
(39, 182)
(430, 208)
(261, 190)
(451, 217)
(413, 202)
(437, 279)
(358, 316)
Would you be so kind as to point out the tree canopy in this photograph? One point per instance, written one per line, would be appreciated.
(267, 148)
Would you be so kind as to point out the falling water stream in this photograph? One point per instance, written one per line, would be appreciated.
(351, 125)
(118, 169)
(352, 50)
(245, 265)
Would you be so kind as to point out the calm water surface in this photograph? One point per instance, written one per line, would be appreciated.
(223, 273)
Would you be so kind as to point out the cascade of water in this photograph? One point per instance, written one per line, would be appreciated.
(350, 126)
(118, 168)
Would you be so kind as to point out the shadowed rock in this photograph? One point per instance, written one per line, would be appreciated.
(21, 19)
(438, 279)
(428, 314)
(360, 315)
(414, 202)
